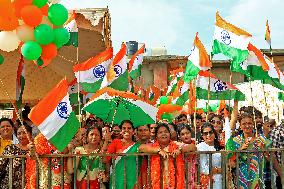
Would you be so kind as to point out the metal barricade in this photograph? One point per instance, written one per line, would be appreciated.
(108, 164)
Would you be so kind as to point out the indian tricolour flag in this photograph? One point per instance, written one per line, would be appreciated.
(218, 90)
(181, 93)
(117, 74)
(20, 83)
(260, 67)
(230, 41)
(73, 92)
(135, 63)
(176, 75)
(54, 117)
(90, 73)
(72, 28)
(197, 60)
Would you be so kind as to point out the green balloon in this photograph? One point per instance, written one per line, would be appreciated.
(1, 59)
(39, 62)
(57, 14)
(31, 50)
(164, 100)
(61, 37)
(168, 117)
(43, 34)
(39, 3)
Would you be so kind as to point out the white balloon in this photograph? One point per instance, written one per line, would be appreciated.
(54, 1)
(25, 33)
(9, 41)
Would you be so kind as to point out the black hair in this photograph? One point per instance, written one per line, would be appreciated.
(198, 116)
(216, 141)
(147, 125)
(7, 119)
(181, 116)
(126, 121)
(252, 110)
(89, 129)
(245, 115)
(211, 116)
(183, 126)
(162, 125)
(25, 112)
(26, 126)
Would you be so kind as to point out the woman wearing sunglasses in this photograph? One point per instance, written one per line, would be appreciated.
(210, 143)
(217, 122)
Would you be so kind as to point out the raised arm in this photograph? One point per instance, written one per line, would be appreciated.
(234, 116)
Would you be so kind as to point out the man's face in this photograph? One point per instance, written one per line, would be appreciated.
(152, 130)
(6, 130)
(143, 133)
(116, 132)
(182, 120)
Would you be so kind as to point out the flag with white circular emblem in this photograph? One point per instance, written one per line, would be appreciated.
(54, 117)
(230, 41)
(117, 74)
(218, 90)
(91, 73)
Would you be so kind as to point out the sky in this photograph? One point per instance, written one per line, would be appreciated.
(173, 23)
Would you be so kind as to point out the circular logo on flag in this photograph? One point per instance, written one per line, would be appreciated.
(191, 50)
(99, 71)
(62, 110)
(220, 86)
(118, 70)
(225, 37)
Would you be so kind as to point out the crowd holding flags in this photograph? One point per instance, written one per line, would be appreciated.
(186, 87)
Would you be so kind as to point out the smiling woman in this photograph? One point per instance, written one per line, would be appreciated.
(23, 133)
(6, 133)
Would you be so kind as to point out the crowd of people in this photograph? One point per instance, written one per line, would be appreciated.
(173, 154)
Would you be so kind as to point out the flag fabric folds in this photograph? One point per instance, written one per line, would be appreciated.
(117, 74)
(230, 41)
(219, 90)
(91, 73)
(54, 117)
(267, 35)
(72, 28)
(197, 60)
(135, 63)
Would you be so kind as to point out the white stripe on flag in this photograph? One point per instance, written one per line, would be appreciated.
(52, 124)
(231, 39)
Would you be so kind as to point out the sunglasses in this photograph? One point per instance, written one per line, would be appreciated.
(215, 122)
(116, 131)
(207, 133)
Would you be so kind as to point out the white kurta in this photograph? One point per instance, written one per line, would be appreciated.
(204, 163)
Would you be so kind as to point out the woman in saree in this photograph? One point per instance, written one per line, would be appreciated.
(167, 161)
(210, 143)
(184, 135)
(93, 163)
(250, 164)
(125, 169)
(23, 133)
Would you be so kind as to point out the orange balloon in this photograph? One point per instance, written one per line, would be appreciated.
(19, 5)
(44, 9)
(9, 22)
(31, 15)
(6, 8)
(49, 51)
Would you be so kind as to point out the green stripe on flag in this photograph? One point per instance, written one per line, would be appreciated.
(136, 73)
(91, 87)
(182, 99)
(237, 55)
(224, 95)
(121, 83)
(65, 134)
(73, 39)
(131, 170)
(20, 97)
(191, 71)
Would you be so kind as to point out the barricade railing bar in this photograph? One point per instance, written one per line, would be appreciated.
(231, 167)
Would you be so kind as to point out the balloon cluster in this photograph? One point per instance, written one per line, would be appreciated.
(36, 26)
